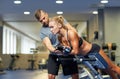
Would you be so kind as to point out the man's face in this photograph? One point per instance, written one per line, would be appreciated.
(44, 18)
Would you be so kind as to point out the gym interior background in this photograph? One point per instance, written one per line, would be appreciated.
(17, 45)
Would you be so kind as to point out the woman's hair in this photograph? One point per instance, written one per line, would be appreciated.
(59, 19)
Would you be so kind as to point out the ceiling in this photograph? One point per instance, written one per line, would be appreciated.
(72, 9)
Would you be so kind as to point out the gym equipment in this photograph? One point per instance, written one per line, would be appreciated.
(113, 56)
(92, 61)
(96, 35)
(31, 64)
(32, 59)
(42, 64)
(2, 68)
(12, 63)
(110, 47)
(104, 46)
(63, 49)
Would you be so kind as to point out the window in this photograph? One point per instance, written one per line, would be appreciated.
(26, 45)
(9, 41)
(15, 42)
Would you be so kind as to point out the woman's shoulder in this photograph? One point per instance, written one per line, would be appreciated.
(72, 34)
(70, 31)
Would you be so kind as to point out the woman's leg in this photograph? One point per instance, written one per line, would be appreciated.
(112, 68)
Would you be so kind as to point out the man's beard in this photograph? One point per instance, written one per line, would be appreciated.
(45, 25)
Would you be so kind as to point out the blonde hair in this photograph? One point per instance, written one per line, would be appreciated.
(60, 20)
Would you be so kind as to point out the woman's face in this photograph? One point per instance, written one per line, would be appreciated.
(54, 27)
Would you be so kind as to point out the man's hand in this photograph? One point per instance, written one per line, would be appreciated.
(58, 52)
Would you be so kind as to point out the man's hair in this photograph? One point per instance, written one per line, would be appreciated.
(38, 14)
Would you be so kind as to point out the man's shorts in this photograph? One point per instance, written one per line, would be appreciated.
(69, 66)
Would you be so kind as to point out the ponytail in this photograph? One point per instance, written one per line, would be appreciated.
(59, 19)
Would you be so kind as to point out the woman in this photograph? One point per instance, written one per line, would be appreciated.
(70, 38)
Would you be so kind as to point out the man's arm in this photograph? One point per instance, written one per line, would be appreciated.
(48, 44)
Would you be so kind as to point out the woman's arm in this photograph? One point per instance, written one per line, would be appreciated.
(74, 40)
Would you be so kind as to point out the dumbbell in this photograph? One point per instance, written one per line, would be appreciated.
(111, 46)
(64, 50)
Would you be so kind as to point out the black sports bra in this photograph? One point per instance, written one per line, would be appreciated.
(80, 41)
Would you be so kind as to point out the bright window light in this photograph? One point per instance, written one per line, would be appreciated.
(17, 2)
(95, 12)
(26, 12)
(59, 12)
(59, 2)
(104, 1)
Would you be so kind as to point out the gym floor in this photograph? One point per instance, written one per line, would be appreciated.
(29, 74)
(39, 74)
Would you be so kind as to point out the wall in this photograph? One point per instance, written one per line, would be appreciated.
(23, 61)
(29, 28)
(80, 26)
(112, 28)
(1, 23)
(32, 28)
(92, 27)
(1, 34)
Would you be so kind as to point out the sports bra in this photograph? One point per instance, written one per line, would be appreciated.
(80, 41)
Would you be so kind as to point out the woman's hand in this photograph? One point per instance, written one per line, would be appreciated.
(65, 50)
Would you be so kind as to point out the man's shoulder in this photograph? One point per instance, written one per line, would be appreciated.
(44, 28)
(45, 31)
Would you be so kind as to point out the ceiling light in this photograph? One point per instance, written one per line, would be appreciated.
(59, 1)
(59, 12)
(104, 1)
(17, 2)
(26, 13)
(95, 12)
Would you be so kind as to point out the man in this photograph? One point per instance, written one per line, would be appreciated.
(51, 41)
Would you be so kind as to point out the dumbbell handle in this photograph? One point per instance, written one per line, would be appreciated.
(77, 59)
